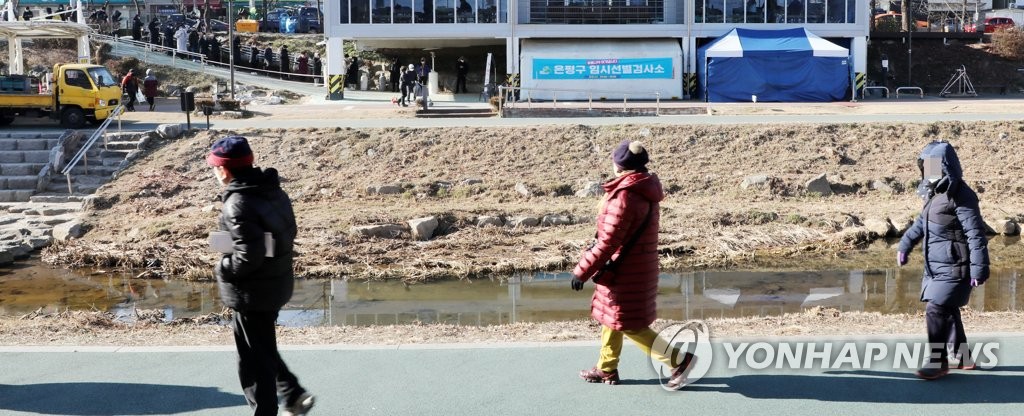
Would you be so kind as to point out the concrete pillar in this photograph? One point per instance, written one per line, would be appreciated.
(335, 68)
(859, 51)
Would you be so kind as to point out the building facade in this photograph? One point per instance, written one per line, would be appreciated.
(627, 32)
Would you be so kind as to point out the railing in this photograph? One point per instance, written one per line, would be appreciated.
(147, 47)
(81, 155)
(516, 94)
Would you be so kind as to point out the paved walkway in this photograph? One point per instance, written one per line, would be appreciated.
(487, 380)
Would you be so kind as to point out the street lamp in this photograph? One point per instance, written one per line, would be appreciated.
(231, 46)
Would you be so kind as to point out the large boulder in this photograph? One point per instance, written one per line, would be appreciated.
(523, 221)
(19, 251)
(423, 228)
(6, 257)
(1005, 227)
(68, 230)
(169, 131)
(590, 190)
(378, 231)
(759, 181)
(489, 220)
(819, 184)
(880, 227)
(385, 190)
(523, 190)
(882, 186)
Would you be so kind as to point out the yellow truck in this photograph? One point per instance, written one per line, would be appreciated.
(77, 93)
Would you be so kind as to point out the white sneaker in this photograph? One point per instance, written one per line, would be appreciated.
(301, 405)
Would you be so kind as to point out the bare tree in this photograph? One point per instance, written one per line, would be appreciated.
(138, 8)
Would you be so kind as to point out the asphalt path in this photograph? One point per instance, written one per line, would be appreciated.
(506, 379)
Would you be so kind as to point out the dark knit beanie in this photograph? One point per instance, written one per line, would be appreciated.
(230, 152)
(630, 155)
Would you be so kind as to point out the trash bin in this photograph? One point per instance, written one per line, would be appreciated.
(188, 101)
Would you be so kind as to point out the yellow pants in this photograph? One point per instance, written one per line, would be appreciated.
(611, 347)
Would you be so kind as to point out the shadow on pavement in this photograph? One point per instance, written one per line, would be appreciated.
(89, 398)
(864, 386)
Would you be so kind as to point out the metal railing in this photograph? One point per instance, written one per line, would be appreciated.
(81, 155)
(151, 47)
(511, 95)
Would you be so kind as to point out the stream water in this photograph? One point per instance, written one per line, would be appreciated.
(30, 285)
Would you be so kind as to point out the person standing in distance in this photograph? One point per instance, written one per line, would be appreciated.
(254, 280)
(955, 251)
(623, 263)
(461, 70)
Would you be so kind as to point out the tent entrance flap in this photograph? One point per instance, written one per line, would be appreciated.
(774, 65)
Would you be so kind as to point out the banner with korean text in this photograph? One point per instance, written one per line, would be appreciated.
(581, 69)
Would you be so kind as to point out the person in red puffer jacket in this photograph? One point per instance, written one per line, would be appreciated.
(623, 263)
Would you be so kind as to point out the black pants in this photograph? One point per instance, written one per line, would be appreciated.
(130, 105)
(151, 99)
(406, 92)
(394, 86)
(945, 330)
(263, 374)
(460, 83)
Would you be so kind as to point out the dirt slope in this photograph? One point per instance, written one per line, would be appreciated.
(159, 211)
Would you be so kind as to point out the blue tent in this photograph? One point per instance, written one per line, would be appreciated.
(774, 65)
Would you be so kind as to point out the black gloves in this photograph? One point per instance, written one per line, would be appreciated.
(577, 284)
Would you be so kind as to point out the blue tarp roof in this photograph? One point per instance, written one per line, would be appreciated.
(773, 65)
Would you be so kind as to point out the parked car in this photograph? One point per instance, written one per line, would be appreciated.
(310, 20)
(272, 21)
(990, 25)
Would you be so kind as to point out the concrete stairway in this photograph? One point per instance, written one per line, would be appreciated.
(22, 157)
(98, 168)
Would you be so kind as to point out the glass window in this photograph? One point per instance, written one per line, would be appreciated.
(734, 11)
(755, 11)
(776, 11)
(403, 11)
(836, 11)
(360, 11)
(698, 12)
(488, 11)
(715, 11)
(816, 11)
(423, 11)
(102, 77)
(445, 11)
(467, 11)
(381, 11)
(503, 11)
(851, 12)
(795, 11)
(76, 78)
(343, 7)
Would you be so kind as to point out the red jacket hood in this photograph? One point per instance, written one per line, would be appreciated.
(644, 184)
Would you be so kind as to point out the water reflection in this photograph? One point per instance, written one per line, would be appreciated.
(526, 298)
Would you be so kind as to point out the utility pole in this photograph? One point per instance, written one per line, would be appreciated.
(231, 46)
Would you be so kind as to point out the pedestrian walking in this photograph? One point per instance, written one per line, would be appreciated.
(955, 251)
(149, 88)
(302, 64)
(623, 264)
(461, 71)
(255, 279)
(130, 88)
(408, 85)
(395, 73)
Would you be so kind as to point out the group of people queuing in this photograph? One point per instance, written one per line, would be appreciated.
(282, 62)
(405, 78)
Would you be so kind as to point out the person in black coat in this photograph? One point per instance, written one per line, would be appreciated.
(215, 52)
(62, 16)
(461, 70)
(395, 73)
(955, 251)
(137, 28)
(268, 58)
(154, 31)
(408, 85)
(286, 63)
(193, 41)
(169, 37)
(255, 279)
(254, 56)
(236, 48)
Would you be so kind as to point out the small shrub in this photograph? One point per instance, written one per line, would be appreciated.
(1009, 43)
(230, 105)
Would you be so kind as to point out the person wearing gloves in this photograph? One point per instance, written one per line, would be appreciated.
(255, 278)
(955, 251)
(623, 263)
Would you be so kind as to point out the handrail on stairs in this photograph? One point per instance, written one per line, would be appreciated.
(81, 155)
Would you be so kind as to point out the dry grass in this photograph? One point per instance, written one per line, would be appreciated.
(162, 208)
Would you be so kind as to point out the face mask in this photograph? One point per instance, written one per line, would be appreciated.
(931, 169)
(221, 181)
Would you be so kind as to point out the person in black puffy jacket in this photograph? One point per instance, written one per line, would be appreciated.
(255, 280)
(955, 253)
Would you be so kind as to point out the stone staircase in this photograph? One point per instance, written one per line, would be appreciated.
(96, 169)
(22, 158)
(29, 222)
